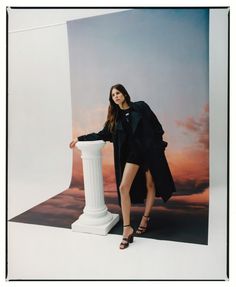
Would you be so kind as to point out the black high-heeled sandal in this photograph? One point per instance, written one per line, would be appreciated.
(128, 239)
(142, 229)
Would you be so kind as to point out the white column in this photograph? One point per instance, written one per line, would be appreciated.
(96, 218)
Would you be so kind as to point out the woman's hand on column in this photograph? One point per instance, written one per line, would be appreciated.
(73, 143)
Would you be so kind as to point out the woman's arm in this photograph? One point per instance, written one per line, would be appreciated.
(104, 135)
(155, 124)
(153, 119)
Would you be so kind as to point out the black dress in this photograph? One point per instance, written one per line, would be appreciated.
(133, 153)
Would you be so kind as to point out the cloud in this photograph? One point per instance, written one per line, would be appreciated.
(89, 123)
(190, 164)
(199, 127)
(190, 124)
(197, 198)
(190, 187)
(190, 170)
(109, 177)
(77, 170)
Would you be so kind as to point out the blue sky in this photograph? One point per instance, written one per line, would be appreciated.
(159, 55)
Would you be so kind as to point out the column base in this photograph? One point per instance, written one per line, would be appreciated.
(101, 229)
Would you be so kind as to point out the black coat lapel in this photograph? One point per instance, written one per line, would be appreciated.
(119, 125)
(135, 118)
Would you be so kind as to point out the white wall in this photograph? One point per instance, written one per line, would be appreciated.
(39, 113)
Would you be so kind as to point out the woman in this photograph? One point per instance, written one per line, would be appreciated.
(141, 168)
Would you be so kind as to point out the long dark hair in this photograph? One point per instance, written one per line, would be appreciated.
(113, 107)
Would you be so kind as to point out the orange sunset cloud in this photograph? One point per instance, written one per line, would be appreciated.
(198, 127)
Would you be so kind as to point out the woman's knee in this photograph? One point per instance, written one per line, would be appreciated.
(149, 181)
(150, 186)
(124, 188)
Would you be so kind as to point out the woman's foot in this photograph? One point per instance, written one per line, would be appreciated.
(128, 232)
(143, 225)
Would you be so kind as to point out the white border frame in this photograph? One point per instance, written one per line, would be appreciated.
(218, 175)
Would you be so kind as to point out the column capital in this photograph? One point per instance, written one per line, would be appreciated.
(90, 148)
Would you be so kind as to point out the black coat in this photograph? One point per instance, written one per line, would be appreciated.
(147, 139)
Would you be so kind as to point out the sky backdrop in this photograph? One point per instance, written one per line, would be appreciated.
(161, 57)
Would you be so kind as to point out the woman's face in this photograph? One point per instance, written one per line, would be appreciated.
(117, 96)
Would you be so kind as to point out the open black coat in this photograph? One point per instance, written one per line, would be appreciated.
(147, 139)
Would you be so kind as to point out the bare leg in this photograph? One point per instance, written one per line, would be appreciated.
(150, 198)
(150, 193)
(129, 173)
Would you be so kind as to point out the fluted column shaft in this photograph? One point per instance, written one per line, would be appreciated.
(95, 218)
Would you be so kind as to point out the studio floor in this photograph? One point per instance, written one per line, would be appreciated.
(49, 253)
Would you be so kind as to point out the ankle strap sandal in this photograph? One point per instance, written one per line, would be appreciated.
(142, 229)
(128, 239)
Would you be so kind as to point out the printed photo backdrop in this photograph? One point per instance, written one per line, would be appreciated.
(161, 57)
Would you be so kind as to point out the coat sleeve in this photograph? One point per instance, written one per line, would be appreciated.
(103, 134)
(153, 119)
